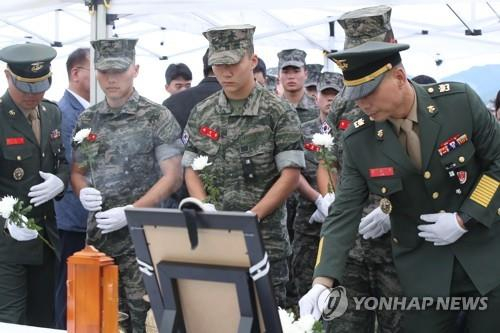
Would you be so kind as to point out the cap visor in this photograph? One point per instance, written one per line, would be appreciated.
(117, 64)
(32, 88)
(229, 57)
(353, 93)
(331, 86)
(292, 63)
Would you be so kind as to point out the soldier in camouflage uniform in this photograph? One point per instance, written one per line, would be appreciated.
(307, 224)
(370, 269)
(134, 139)
(313, 72)
(253, 140)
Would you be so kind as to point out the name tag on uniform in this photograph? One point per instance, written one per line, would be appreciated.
(15, 141)
(209, 133)
(381, 172)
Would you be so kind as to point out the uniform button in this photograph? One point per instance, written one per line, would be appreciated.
(435, 195)
(431, 90)
(461, 159)
(395, 240)
(427, 175)
(250, 175)
(498, 211)
(43, 154)
(383, 190)
(247, 161)
(18, 157)
(45, 217)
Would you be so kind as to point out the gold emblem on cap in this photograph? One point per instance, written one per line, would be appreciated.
(342, 63)
(385, 205)
(36, 66)
(444, 87)
(431, 108)
(18, 173)
(380, 133)
(12, 113)
(359, 122)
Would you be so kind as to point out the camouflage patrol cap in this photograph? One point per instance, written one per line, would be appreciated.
(364, 66)
(114, 54)
(29, 66)
(330, 80)
(227, 44)
(271, 82)
(313, 72)
(362, 25)
(291, 57)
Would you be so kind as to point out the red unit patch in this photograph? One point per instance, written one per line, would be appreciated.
(15, 141)
(209, 133)
(381, 172)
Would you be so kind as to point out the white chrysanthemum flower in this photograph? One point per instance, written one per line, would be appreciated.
(305, 323)
(323, 140)
(7, 206)
(81, 135)
(200, 163)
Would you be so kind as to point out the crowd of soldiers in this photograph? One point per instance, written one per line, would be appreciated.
(406, 205)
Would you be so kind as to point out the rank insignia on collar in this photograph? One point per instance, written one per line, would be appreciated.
(55, 134)
(431, 109)
(325, 128)
(344, 124)
(12, 113)
(209, 133)
(358, 123)
(380, 134)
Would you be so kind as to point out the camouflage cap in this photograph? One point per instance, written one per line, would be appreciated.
(364, 66)
(313, 72)
(114, 54)
(330, 80)
(227, 44)
(362, 25)
(29, 66)
(291, 57)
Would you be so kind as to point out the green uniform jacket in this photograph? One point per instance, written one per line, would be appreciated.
(444, 110)
(21, 158)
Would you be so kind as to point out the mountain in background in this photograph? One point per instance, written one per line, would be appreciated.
(485, 80)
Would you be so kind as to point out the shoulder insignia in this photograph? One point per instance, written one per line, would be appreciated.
(12, 113)
(358, 123)
(444, 88)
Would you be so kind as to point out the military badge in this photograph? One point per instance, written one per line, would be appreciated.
(18, 173)
(381, 172)
(325, 128)
(36, 66)
(462, 177)
(380, 134)
(55, 134)
(312, 147)
(209, 133)
(358, 123)
(344, 124)
(185, 137)
(14, 141)
(12, 113)
(444, 87)
(431, 109)
(385, 206)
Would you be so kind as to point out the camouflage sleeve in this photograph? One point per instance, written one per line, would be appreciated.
(289, 142)
(190, 133)
(167, 137)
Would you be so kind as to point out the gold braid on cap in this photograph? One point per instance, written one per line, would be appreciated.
(27, 79)
(369, 77)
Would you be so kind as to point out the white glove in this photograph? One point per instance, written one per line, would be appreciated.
(310, 304)
(322, 204)
(91, 199)
(112, 219)
(374, 224)
(444, 229)
(208, 207)
(47, 190)
(20, 234)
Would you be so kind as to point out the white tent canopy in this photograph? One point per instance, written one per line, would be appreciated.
(168, 28)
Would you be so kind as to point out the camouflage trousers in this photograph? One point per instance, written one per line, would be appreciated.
(369, 272)
(305, 250)
(279, 279)
(131, 293)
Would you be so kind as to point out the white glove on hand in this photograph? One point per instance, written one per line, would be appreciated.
(112, 219)
(322, 204)
(309, 303)
(208, 207)
(91, 199)
(374, 224)
(444, 229)
(20, 234)
(47, 190)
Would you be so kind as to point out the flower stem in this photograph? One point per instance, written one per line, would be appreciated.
(46, 242)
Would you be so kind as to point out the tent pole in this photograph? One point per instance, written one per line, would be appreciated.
(98, 30)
